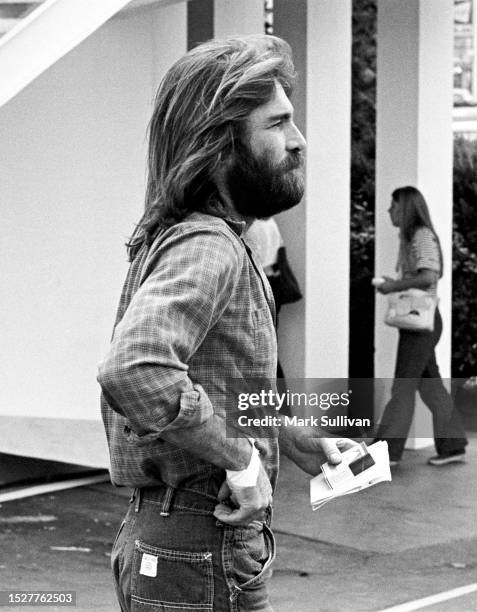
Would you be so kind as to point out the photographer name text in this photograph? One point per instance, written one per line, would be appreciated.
(294, 421)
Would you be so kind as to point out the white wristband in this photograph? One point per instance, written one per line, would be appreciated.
(249, 476)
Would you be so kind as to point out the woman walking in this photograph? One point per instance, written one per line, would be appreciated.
(421, 266)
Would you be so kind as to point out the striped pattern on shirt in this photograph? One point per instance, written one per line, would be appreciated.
(422, 252)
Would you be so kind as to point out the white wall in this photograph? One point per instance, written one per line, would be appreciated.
(328, 131)
(73, 148)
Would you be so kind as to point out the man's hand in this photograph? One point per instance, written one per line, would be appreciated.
(308, 448)
(250, 502)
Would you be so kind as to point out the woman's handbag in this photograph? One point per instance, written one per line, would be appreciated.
(411, 309)
(283, 282)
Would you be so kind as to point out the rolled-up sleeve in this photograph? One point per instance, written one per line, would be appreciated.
(190, 278)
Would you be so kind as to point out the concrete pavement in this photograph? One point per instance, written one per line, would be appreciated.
(392, 543)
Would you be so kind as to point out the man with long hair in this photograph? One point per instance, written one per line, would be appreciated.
(196, 312)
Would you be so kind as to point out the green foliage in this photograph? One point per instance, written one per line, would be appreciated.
(464, 260)
(363, 115)
(363, 119)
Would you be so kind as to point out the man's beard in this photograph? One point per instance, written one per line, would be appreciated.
(261, 189)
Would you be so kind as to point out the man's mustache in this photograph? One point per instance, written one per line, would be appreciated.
(293, 161)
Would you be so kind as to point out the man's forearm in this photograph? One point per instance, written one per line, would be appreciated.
(289, 438)
(181, 414)
(209, 441)
(301, 445)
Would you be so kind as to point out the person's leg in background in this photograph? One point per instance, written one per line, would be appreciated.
(449, 435)
(414, 352)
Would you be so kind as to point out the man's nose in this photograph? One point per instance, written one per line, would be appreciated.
(295, 140)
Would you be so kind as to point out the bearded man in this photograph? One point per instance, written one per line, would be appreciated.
(196, 311)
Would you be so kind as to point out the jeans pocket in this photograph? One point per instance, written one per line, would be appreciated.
(255, 551)
(165, 580)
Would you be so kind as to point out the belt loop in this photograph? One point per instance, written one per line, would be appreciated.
(138, 499)
(166, 504)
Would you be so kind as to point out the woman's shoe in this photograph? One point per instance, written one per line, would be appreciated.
(445, 458)
(394, 462)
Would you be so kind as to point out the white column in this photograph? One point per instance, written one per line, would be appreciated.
(290, 19)
(413, 147)
(328, 131)
(244, 17)
(313, 334)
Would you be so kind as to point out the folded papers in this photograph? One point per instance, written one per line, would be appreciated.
(361, 467)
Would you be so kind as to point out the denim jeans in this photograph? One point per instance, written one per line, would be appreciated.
(417, 370)
(172, 555)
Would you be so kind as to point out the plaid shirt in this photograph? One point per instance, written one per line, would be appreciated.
(196, 310)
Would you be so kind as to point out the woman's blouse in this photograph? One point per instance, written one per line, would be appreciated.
(422, 251)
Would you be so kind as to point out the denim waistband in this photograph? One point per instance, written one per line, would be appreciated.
(168, 498)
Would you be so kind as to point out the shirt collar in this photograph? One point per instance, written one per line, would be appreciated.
(238, 227)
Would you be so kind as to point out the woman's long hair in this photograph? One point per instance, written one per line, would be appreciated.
(199, 111)
(414, 214)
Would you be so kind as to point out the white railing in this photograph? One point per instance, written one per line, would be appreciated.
(12, 13)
